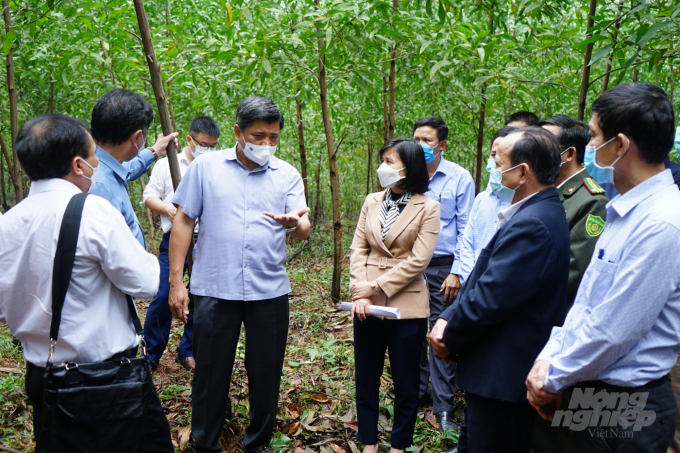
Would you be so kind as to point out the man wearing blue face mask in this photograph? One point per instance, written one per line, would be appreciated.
(119, 127)
(483, 221)
(453, 187)
(622, 335)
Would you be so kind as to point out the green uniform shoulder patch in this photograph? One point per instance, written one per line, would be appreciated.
(594, 225)
(592, 186)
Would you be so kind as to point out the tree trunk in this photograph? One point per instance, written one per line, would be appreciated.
(585, 80)
(393, 69)
(108, 64)
(301, 142)
(3, 194)
(636, 71)
(480, 140)
(17, 179)
(617, 24)
(386, 122)
(369, 171)
(317, 204)
(335, 181)
(157, 85)
(50, 102)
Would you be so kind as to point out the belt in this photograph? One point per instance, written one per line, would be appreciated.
(617, 388)
(441, 261)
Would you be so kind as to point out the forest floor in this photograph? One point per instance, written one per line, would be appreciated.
(316, 412)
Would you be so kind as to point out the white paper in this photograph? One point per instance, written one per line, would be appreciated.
(376, 310)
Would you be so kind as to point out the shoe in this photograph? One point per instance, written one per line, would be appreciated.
(450, 450)
(426, 399)
(446, 421)
(263, 450)
(188, 363)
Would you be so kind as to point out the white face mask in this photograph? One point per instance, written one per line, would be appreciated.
(388, 176)
(198, 150)
(93, 178)
(260, 154)
(139, 150)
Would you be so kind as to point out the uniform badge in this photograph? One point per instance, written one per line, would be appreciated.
(592, 186)
(594, 225)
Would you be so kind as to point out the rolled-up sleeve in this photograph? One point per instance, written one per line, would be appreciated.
(138, 166)
(295, 198)
(157, 181)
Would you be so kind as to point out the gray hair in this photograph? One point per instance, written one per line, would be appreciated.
(255, 108)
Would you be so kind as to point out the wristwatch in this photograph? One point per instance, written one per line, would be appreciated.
(374, 286)
(288, 230)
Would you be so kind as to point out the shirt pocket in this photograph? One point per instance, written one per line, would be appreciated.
(600, 278)
(448, 207)
(270, 201)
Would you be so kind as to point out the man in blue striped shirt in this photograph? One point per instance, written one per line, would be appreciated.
(622, 336)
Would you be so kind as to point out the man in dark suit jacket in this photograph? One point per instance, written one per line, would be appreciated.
(516, 293)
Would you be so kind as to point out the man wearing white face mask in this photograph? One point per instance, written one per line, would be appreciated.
(203, 135)
(119, 127)
(247, 200)
(622, 335)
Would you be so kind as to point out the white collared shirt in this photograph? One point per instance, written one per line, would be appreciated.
(505, 214)
(160, 184)
(565, 181)
(95, 321)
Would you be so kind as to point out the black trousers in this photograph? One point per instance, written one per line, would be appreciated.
(403, 340)
(654, 438)
(217, 325)
(493, 426)
(157, 437)
(442, 374)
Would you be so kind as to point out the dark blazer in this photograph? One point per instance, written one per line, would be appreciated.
(516, 293)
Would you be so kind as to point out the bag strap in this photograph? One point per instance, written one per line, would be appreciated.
(63, 267)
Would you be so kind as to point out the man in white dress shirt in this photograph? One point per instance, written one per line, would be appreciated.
(58, 154)
(202, 138)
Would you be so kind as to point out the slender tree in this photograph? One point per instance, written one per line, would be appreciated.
(585, 79)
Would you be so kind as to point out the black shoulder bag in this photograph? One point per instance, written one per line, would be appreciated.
(90, 407)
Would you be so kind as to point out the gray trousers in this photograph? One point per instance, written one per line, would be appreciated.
(442, 374)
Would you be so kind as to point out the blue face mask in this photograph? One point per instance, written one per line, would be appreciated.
(600, 174)
(490, 164)
(504, 193)
(429, 152)
(677, 140)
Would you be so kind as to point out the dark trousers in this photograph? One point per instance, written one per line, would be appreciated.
(654, 438)
(442, 374)
(157, 436)
(553, 439)
(217, 325)
(159, 317)
(403, 340)
(493, 426)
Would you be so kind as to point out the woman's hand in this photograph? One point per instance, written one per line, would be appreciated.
(361, 308)
(363, 290)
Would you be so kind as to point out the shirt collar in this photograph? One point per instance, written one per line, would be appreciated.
(505, 214)
(273, 163)
(625, 203)
(183, 155)
(108, 160)
(53, 185)
(570, 178)
(443, 167)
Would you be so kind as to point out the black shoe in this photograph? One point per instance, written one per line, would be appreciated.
(426, 398)
(450, 450)
(446, 421)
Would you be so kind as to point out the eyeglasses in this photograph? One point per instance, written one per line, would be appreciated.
(204, 144)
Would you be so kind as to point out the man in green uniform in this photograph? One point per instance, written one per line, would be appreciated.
(584, 202)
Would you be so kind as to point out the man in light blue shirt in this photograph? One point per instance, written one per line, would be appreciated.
(453, 187)
(623, 333)
(483, 221)
(120, 124)
(247, 200)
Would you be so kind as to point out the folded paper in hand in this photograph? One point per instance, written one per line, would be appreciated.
(376, 310)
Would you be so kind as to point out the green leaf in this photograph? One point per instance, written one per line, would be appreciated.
(480, 51)
(8, 41)
(293, 363)
(441, 12)
(424, 46)
(438, 66)
(600, 53)
(230, 15)
(532, 7)
(266, 65)
(651, 32)
(329, 37)
(247, 14)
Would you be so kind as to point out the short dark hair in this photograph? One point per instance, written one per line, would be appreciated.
(435, 123)
(573, 133)
(529, 118)
(502, 132)
(206, 125)
(47, 144)
(642, 112)
(410, 152)
(540, 149)
(118, 114)
(255, 108)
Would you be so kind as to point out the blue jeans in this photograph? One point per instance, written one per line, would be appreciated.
(159, 317)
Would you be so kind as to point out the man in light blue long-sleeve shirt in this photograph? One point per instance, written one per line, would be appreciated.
(453, 187)
(622, 336)
(120, 124)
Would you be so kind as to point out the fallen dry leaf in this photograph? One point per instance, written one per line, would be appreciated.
(352, 425)
(293, 428)
(319, 397)
(183, 435)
